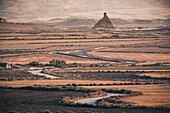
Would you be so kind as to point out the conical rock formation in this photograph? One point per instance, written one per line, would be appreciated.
(105, 22)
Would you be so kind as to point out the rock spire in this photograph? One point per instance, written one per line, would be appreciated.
(105, 22)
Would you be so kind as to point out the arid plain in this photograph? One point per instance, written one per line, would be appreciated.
(134, 57)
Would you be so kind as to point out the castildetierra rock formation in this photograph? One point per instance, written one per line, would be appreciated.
(104, 23)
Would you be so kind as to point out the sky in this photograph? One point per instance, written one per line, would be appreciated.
(50, 9)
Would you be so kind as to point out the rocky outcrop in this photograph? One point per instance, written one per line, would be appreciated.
(105, 22)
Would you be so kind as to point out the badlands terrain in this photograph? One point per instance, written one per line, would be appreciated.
(133, 59)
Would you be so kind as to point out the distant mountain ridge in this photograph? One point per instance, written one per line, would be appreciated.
(116, 21)
(92, 22)
(76, 22)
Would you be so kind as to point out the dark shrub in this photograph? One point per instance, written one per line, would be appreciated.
(68, 85)
(34, 63)
(74, 84)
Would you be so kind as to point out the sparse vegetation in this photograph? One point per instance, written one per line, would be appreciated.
(12, 75)
(150, 92)
(57, 63)
(109, 75)
(131, 60)
(36, 101)
(68, 100)
(34, 63)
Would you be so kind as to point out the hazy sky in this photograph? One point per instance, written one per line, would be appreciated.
(48, 9)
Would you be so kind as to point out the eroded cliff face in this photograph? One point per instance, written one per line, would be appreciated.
(105, 22)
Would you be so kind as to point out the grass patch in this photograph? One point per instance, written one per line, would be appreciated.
(153, 95)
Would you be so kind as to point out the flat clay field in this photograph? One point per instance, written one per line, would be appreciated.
(51, 66)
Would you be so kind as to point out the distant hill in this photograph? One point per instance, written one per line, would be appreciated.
(116, 21)
(92, 22)
(119, 21)
(57, 20)
(154, 21)
(77, 22)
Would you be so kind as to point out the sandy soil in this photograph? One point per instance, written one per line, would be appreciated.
(148, 57)
(45, 58)
(55, 82)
